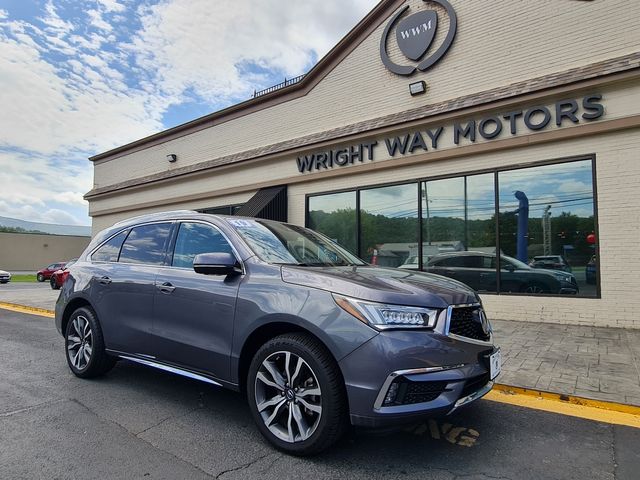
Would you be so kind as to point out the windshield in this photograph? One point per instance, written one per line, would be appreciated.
(282, 243)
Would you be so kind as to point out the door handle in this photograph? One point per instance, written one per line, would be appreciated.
(165, 287)
(104, 280)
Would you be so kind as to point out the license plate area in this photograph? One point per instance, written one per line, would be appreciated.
(495, 364)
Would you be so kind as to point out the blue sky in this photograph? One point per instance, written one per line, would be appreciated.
(78, 77)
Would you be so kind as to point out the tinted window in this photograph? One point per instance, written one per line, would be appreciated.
(110, 250)
(146, 244)
(194, 239)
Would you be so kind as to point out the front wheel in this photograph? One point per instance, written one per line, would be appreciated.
(84, 345)
(296, 394)
(40, 277)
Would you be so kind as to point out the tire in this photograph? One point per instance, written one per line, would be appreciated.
(40, 277)
(288, 407)
(83, 330)
(53, 283)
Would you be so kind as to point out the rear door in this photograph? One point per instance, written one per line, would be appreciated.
(125, 288)
(194, 313)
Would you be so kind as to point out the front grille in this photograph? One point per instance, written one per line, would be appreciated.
(467, 322)
(410, 392)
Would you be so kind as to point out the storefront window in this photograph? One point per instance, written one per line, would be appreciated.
(547, 225)
(335, 216)
(389, 225)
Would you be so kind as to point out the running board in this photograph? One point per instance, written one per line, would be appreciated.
(167, 368)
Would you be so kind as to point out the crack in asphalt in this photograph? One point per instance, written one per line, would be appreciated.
(142, 439)
(32, 407)
(245, 465)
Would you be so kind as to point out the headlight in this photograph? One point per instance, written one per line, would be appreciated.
(563, 277)
(383, 316)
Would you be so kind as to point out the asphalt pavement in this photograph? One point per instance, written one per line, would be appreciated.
(34, 294)
(137, 422)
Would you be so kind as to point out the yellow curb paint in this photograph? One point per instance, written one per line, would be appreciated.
(587, 402)
(562, 407)
(14, 307)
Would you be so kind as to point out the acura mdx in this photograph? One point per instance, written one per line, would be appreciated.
(312, 335)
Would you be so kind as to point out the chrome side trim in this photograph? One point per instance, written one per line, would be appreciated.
(413, 371)
(474, 396)
(167, 368)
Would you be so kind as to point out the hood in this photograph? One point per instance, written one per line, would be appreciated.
(3, 272)
(385, 285)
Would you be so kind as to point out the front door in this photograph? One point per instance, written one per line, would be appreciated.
(194, 313)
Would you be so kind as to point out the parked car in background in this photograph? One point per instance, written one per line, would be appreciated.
(280, 313)
(550, 262)
(478, 270)
(5, 277)
(59, 276)
(45, 273)
(590, 271)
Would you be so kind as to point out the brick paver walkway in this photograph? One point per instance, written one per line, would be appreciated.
(592, 362)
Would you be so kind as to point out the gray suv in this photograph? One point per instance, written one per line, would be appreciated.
(314, 337)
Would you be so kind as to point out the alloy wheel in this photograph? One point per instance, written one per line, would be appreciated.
(80, 342)
(534, 289)
(288, 396)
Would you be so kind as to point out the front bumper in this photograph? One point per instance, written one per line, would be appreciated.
(436, 374)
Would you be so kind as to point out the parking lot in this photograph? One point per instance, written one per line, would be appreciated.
(141, 423)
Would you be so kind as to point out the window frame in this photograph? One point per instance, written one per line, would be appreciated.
(495, 171)
(174, 237)
(89, 256)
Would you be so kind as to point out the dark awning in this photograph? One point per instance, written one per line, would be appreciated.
(269, 203)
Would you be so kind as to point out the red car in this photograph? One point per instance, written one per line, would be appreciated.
(45, 273)
(59, 276)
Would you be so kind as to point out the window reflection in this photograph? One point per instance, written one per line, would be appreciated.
(389, 225)
(547, 221)
(335, 216)
(547, 242)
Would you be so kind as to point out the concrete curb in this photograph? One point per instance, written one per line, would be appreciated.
(571, 399)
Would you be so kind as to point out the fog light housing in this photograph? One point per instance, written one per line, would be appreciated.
(392, 393)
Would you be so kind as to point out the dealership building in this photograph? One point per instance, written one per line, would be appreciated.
(494, 142)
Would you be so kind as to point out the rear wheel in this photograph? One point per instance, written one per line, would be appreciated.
(54, 284)
(84, 345)
(296, 394)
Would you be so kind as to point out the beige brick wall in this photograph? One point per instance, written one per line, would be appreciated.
(498, 43)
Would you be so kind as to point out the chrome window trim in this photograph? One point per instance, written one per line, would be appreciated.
(413, 371)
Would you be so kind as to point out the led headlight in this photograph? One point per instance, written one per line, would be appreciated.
(382, 316)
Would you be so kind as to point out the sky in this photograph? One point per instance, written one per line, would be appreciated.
(79, 77)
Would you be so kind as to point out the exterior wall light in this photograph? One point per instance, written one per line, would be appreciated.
(417, 88)
(172, 157)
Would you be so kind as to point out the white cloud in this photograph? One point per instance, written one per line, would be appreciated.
(71, 89)
(206, 46)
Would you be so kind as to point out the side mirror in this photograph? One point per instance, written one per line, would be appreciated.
(216, 264)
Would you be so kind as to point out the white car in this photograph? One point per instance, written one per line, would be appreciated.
(5, 277)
